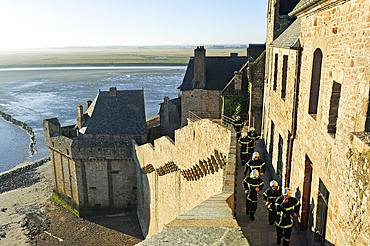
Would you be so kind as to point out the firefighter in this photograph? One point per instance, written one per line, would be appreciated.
(238, 125)
(269, 197)
(255, 163)
(287, 208)
(244, 142)
(254, 136)
(252, 185)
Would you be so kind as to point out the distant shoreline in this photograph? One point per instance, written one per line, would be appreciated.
(104, 65)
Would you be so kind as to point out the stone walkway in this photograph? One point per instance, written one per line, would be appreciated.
(258, 232)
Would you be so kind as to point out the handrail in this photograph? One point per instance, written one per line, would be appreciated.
(193, 117)
(227, 120)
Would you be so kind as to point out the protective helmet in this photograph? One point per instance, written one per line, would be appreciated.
(252, 129)
(238, 117)
(256, 154)
(255, 173)
(274, 183)
(286, 191)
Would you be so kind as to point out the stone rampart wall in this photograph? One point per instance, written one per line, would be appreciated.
(173, 177)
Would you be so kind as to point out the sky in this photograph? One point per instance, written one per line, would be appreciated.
(61, 23)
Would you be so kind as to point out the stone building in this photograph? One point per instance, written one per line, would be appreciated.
(249, 82)
(203, 82)
(316, 111)
(92, 161)
(170, 116)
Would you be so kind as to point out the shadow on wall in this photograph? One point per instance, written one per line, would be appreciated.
(297, 195)
(315, 238)
(267, 158)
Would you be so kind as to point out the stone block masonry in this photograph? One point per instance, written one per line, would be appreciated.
(173, 177)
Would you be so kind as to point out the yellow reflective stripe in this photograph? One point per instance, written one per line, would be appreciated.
(243, 142)
(289, 208)
(286, 239)
(238, 124)
(287, 226)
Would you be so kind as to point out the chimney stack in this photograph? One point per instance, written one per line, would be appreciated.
(80, 118)
(199, 67)
(88, 103)
(113, 91)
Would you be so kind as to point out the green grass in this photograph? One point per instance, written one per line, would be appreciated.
(105, 57)
(64, 204)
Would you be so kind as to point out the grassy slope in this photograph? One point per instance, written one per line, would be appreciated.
(90, 56)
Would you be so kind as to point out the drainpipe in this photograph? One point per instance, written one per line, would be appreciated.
(294, 114)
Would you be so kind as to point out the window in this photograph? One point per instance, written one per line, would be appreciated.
(271, 148)
(334, 106)
(276, 71)
(315, 81)
(321, 212)
(284, 76)
(279, 169)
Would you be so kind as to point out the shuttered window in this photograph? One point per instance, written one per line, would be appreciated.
(315, 82)
(334, 107)
(276, 71)
(284, 76)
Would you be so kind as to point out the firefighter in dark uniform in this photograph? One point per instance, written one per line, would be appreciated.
(244, 142)
(269, 197)
(238, 125)
(252, 185)
(287, 208)
(255, 163)
(254, 136)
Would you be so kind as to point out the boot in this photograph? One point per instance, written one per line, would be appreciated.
(285, 242)
(247, 211)
(278, 241)
(252, 216)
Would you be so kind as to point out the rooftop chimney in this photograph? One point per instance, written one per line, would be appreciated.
(88, 103)
(199, 67)
(80, 118)
(113, 91)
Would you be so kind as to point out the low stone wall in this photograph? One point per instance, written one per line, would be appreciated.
(173, 177)
(24, 126)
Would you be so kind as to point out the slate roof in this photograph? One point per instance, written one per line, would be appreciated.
(123, 114)
(303, 4)
(255, 50)
(290, 36)
(219, 72)
(286, 6)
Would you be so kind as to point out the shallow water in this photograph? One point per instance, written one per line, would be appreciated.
(31, 95)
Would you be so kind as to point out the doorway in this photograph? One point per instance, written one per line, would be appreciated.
(306, 194)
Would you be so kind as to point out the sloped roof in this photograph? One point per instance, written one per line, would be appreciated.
(123, 114)
(286, 6)
(219, 71)
(303, 4)
(255, 50)
(290, 36)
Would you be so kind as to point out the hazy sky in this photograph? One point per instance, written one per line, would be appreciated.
(59, 23)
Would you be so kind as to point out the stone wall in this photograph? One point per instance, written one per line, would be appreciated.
(339, 161)
(256, 76)
(204, 103)
(173, 177)
(94, 175)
